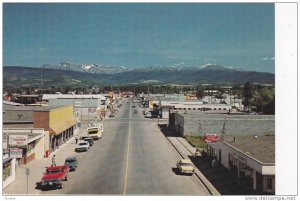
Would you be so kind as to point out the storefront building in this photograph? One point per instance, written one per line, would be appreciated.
(25, 144)
(249, 158)
(59, 121)
(9, 170)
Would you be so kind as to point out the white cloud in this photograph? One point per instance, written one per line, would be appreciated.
(272, 58)
(265, 58)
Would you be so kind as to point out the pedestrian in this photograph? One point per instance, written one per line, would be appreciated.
(197, 152)
(76, 139)
(53, 161)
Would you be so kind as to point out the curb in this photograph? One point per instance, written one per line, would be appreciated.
(209, 187)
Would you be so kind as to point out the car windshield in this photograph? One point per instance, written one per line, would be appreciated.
(83, 143)
(93, 132)
(70, 160)
(186, 164)
(54, 171)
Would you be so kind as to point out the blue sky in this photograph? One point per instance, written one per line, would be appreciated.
(137, 35)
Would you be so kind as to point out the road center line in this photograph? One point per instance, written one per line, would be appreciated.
(128, 143)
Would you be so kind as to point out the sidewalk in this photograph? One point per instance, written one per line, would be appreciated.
(186, 150)
(37, 167)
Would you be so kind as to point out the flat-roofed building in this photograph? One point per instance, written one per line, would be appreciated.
(60, 121)
(88, 106)
(199, 123)
(32, 144)
(249, 158)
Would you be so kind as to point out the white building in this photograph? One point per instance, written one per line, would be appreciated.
(86, 105)
(191, 106)
(250, 158)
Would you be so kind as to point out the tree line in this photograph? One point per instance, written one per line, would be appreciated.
(256, 98)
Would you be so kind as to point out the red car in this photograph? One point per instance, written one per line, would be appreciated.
(54, 176)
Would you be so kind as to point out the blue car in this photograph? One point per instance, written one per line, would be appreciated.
(71, 162)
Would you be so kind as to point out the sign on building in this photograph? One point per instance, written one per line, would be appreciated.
(210, 138)
(15, 153)
(17, 140)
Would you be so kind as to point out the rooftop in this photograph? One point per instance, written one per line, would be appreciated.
(200, 123)
(30, 108)
(261, 148)
(73, 96)
(31, 133)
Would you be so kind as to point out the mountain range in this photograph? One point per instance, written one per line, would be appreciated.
(66, 73)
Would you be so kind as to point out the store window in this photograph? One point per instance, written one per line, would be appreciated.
(269, 183)
(31, 146)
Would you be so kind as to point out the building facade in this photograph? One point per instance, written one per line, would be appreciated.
(25, 144)
(198, 124)
(249, 158)
(60, 122)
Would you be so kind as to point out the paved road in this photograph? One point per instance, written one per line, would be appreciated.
(132, 158)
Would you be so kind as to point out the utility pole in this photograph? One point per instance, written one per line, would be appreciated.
(27, 174)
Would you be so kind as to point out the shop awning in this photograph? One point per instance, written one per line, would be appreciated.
(62, 126)
(59, 128)
(72, 121)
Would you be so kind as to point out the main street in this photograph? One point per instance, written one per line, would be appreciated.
(132, 158)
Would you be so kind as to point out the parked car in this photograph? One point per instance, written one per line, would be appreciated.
(89, 140)
(83, 137)
(71, 162)
(54, 176)
(185, 166)
(111, 115)
(82, 146)
(95, 131)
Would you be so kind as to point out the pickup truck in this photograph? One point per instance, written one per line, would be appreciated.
(54, 176)
(185, 166)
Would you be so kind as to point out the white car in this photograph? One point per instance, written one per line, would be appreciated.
(185, 166)
(83, 146)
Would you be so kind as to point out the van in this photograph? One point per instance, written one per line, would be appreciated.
(95, 131)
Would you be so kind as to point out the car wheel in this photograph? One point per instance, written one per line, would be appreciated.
(66, 178)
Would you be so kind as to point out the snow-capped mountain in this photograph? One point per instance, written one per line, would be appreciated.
(87, 67)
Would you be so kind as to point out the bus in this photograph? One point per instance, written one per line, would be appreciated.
(95, 131)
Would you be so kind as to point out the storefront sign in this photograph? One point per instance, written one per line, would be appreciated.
(18, 140)
(15, 153)
(210, 138)
(92, 110)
